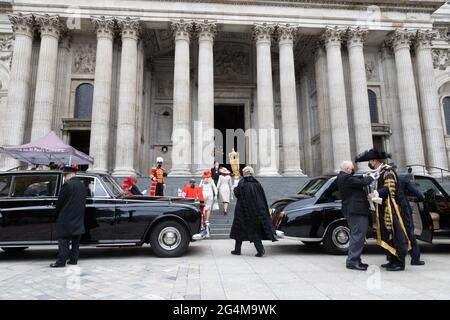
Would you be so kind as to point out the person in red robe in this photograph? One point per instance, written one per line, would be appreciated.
(157, 175)
(192, 191)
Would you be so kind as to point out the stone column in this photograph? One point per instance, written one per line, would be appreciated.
(412, 133)
(267, 156)
(337, 99)
(101, 105)
(181, 133)
(360, 99)
(431, 113)
(323, 107)
(204, 156)
(396, 145)
(50, 28)
(13, 127)
(126, 116)
(289, 118)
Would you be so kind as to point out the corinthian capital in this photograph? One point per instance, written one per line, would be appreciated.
(356, 36)
(182, 29)
(22, 24)
(332, 36)
(206, 30)
(286, 33)
(103, 26)
(263, 32)
(401, 38)
(49, 25)
(130, 27)
(424, 38)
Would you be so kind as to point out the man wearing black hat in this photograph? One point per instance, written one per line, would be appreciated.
(391, 230)
(70, 209)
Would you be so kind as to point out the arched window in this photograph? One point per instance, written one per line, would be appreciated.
(446, 104)
(83, 101)
(373, 106)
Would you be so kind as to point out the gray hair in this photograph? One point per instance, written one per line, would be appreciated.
(248, 171)
(346, 164)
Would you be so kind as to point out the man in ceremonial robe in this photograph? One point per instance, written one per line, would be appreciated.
(157, 175)
(391, 230)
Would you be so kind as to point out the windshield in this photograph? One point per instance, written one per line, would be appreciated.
(113, 186)
(312, 186)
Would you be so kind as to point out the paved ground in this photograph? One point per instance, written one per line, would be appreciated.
(288, 271)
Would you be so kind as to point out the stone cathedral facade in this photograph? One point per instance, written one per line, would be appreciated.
(308, 83)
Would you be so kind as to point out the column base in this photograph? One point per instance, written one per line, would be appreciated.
(97, 170)
(293, 173)
(124, 172)
(200, 170)
(180, 172)
(268, 172)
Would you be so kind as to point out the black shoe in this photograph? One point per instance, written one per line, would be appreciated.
(388, 265)
(237, 253)
(417, 262)
(396, 267)
(359, 267)
(260, 253)
(74, 263)
(57, 265)
(364, 264)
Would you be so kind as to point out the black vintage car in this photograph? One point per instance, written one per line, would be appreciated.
(314, 215)
(112, 218)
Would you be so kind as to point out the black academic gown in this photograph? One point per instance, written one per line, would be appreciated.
(70, 209)
(251, 216)
(391, 229)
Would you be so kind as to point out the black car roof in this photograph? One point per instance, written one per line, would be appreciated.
(48, 172)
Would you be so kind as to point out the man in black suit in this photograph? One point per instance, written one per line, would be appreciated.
(356, 209)
(70, 209)
(215, 174)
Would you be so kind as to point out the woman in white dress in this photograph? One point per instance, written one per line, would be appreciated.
(225, 187)
(209, 191)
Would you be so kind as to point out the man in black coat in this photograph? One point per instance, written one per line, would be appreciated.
(70, 209)
(215, 174)
(356, 209)
(251, 216)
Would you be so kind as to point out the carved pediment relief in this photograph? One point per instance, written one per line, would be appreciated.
(84, 59)
(232, 62)
(6, 50)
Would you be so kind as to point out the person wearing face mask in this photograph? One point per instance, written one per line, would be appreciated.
(356, 209)
(391, 229)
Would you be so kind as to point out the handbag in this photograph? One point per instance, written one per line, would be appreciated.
(215, 206)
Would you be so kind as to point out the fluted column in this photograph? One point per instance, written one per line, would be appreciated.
(101, 105)
(392, 104)
(204, 156)
(337, 99)
(289, 119)
(267, 156)
(50, 28)
(360, 99)
(412, 134)
(126, 117)
(181, 134)
(323, 107)
(431, 113)
(13, 126)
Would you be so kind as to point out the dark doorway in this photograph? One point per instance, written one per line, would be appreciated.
(80, 140)
(378, 143)
(228, 117)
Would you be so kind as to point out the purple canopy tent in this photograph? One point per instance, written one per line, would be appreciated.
(49, 148)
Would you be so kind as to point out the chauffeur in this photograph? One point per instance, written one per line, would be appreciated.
(391, 229)
(355, 207)
(70, 209)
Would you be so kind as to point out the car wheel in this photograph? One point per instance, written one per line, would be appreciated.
(337, 239)
(14, 249)
(169, 239)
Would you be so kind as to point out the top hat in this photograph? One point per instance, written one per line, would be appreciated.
(372, 154)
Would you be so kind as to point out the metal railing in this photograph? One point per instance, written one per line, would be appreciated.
(424, 168)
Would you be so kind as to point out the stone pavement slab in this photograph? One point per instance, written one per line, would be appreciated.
(289, 270)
